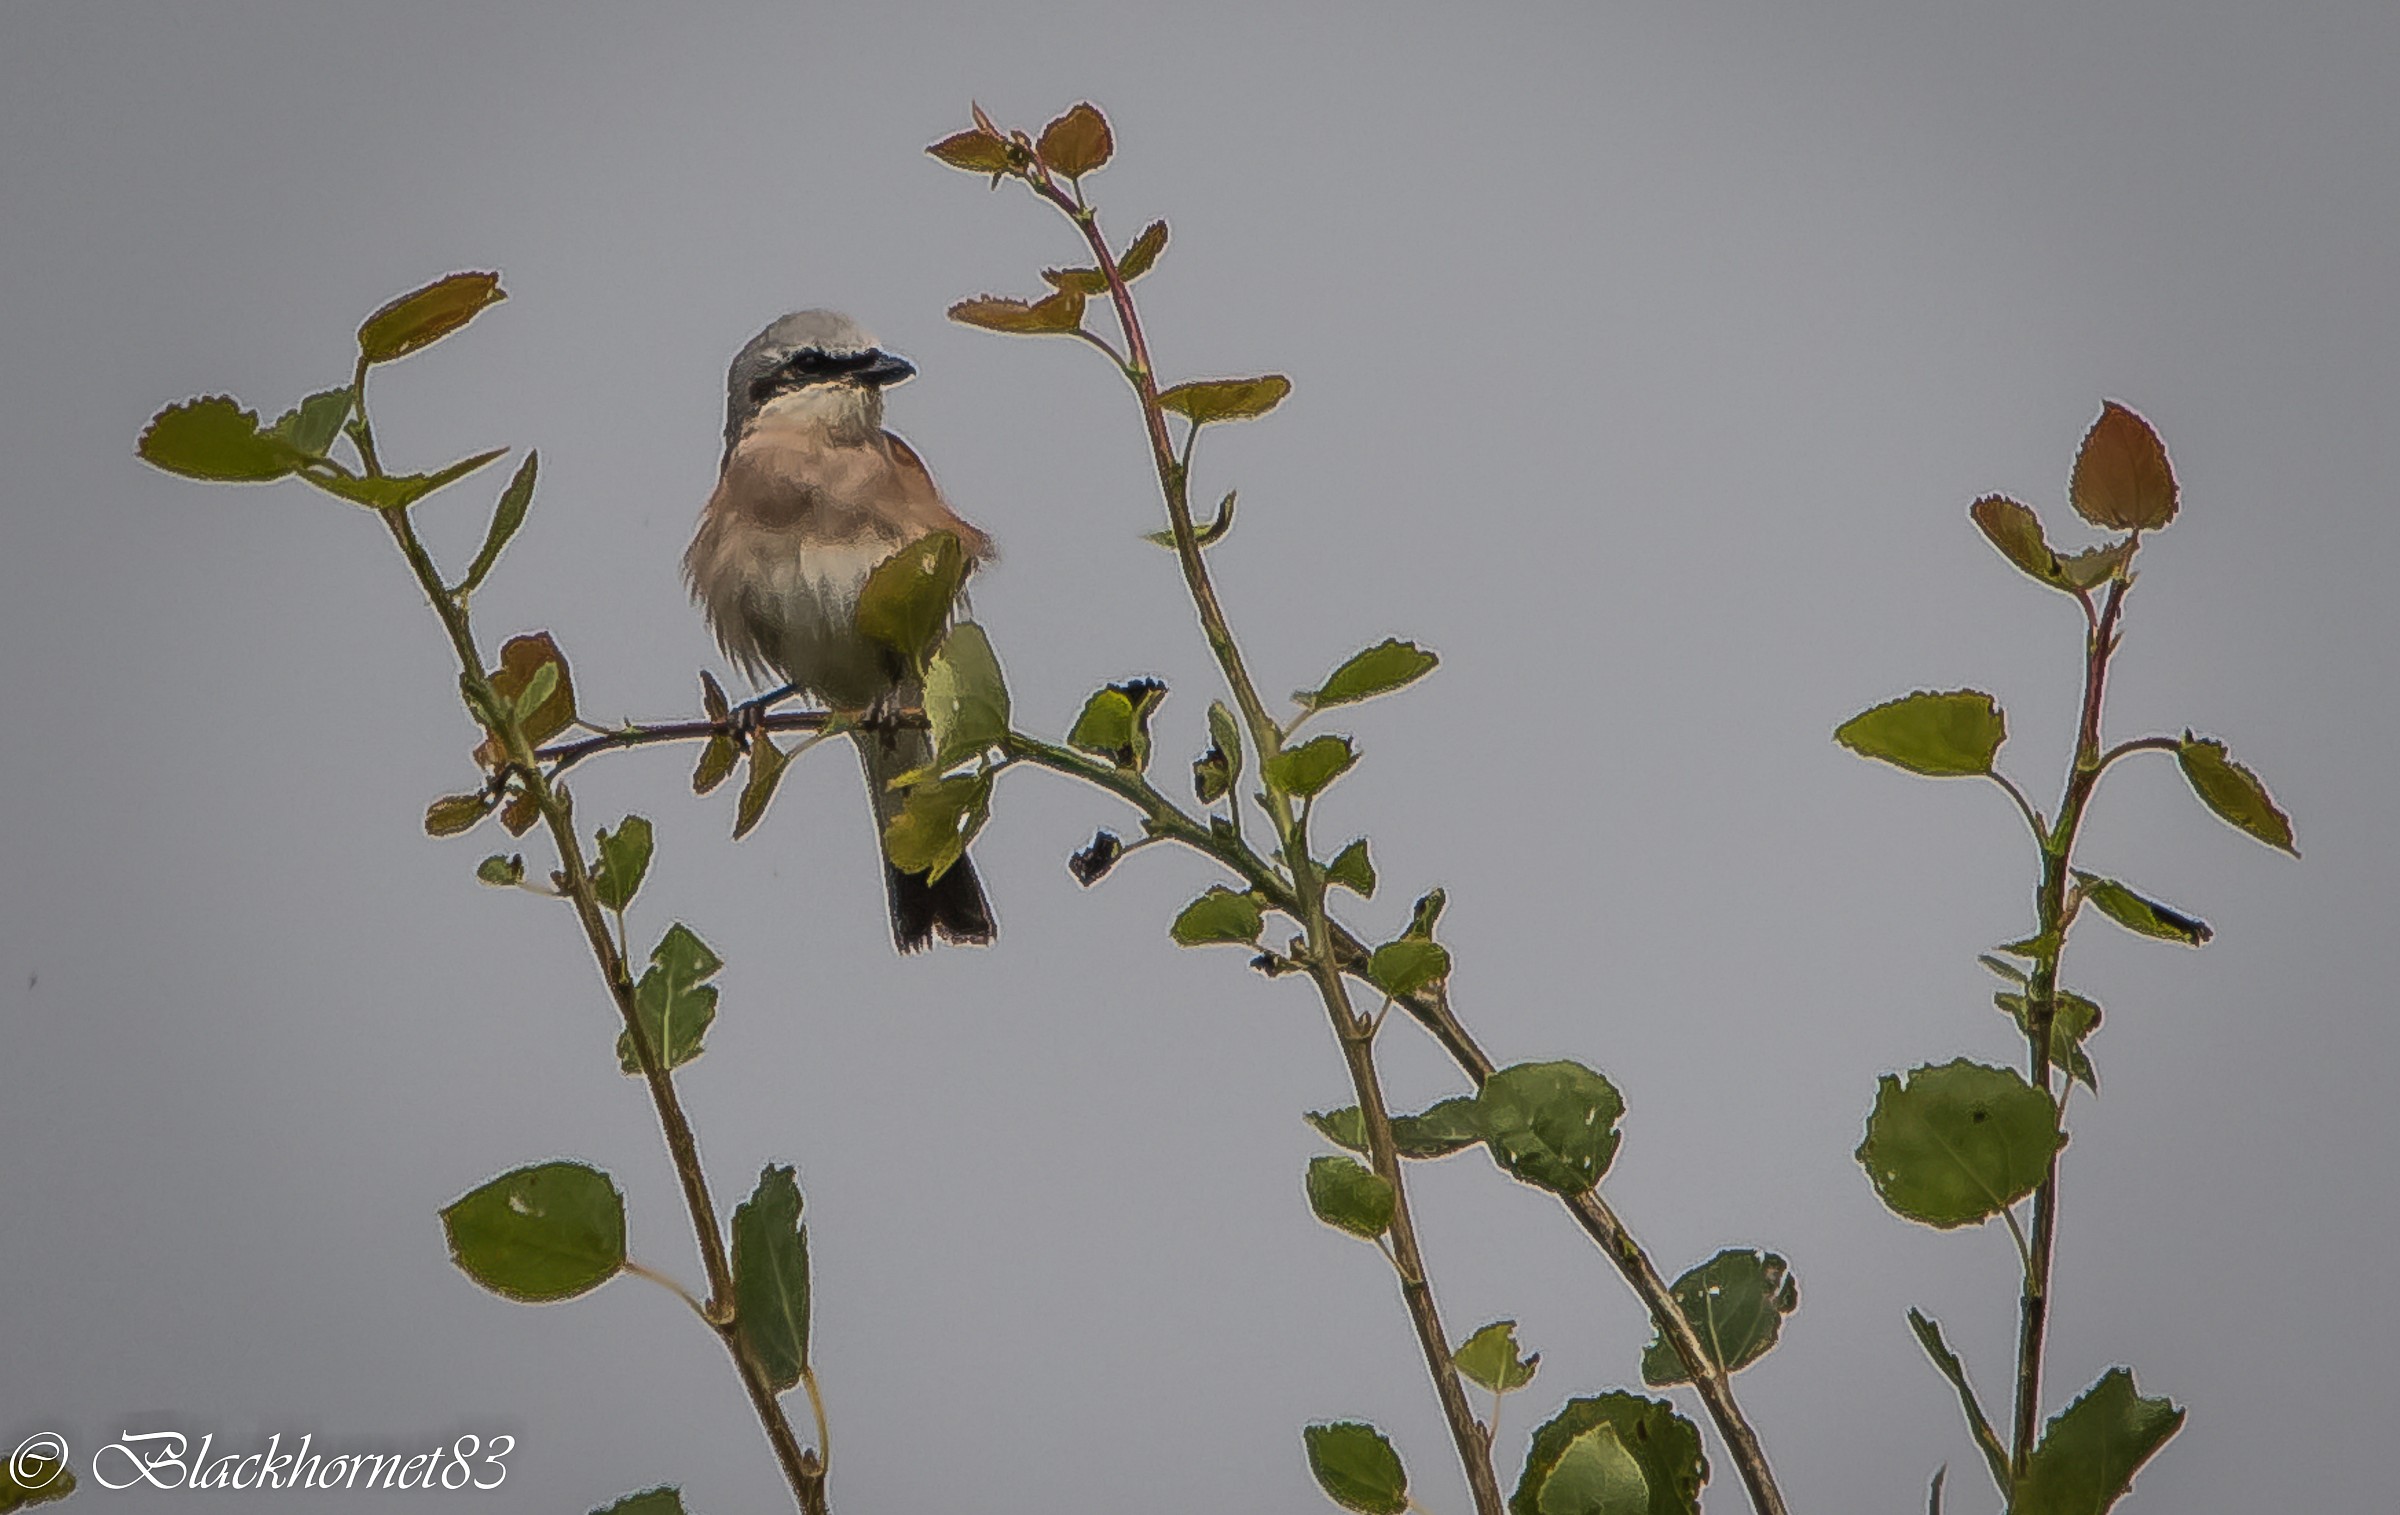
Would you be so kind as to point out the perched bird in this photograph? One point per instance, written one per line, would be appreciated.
(813, 493)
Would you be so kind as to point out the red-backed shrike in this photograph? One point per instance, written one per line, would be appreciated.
(811, 495)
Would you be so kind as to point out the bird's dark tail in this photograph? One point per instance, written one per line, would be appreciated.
(951, 907)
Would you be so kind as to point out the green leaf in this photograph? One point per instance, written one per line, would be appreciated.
(2233, 792)
(663, 1500)
(1403, 967)
(1346, 1194)
(767, 763)
(2072, 1019)
(2017, 532)
(978, 152)
(502, 871)
(2146, 917)
(539, 687)
(423, 317)
(1388, 665)
(2095, 566)
(1979, 1427)
(1214, 771)
(1595, 1475)
(215, 439)
(624, 859)
(1356, 1467)
(546, 1232)
(931, 832)
(1353, 870)
(2088, 1455)
(966, 696)
(1427, 912)
(908, 599)
(1205, 400)
(1664, 1445)
(522, 658)
(1491, 1357)
(1142, 251)
(32, 1477)
(1058, 315)
(1077, 142)
(2122, 479)
(1444, 1128)
(1115, 723)
(393, 490)
(1551, 1124)
(1736, 1302)
(770, 1277)
(1207, 534)
(310, 426)
(716, 761)
(1305, 770)
(675, 1001)
(455, 813)
(507, 516)
(1220, 915)
(1957, 1144)
(1941, 735)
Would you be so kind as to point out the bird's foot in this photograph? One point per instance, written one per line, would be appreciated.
(749, 717)
(885, 712)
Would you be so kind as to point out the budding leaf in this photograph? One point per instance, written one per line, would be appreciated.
(2233, 792)
(1941, 735)
(1220, 915)
(1388, 665)
(1077, 142)
(215, 439)
(1552, 1124)
(977, 152)
(1142, 251)
(545, 1232)
(674, 1000)
(716, 761)
(506, 518)
(1956, 1144)
(454, 813)
(2146, 917)
(1979, 1425)
(1345, 1194)
(1058, 314)
(2072, 1019)
(909, 597)
(767, 763)
(1444, 1128)
(1356, 1467)
(770, 1277)
(2090, 1451)
(1491, 1358)
(1083, 281)
(624, 859)
(425, 316)
(2122, 479)
(1305, 770)
(501, 870)
(1736, 1302)
(1353, 870)
(1663, 1445)
(1202, 401)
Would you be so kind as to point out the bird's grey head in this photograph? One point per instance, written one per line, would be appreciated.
(805, 348)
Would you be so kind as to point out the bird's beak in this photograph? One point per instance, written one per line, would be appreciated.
(885, 369)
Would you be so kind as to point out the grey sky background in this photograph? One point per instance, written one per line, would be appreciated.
(1646, 358)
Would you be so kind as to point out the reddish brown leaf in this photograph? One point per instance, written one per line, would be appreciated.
(1143, 252)
(1083, 281)
(1077, 142)
(1061, 312)
(2122, 479)
(976, 152)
